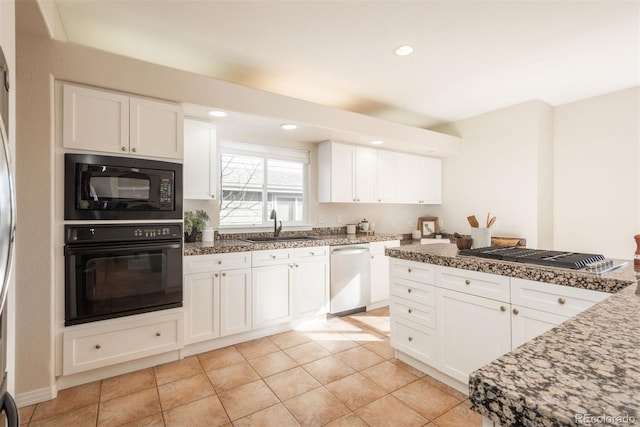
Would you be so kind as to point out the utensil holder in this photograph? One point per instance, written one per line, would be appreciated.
(481, 237)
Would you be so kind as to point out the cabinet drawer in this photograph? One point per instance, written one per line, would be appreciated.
(216, 262)
(420, 314)
(378, 247)
(412, 270)
(474, 283)
(414, 340)
(312, 252)
(271, 257)
(557, 299)
(414, 291)
(119, 341)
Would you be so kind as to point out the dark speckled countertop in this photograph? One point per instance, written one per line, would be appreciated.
(237, 245)
(586, 371)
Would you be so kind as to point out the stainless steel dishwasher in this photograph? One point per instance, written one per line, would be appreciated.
(350, 279)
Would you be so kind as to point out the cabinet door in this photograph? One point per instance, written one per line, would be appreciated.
(95, 120)
(380, 270)
(526, 324)
(387, 181)
(200, 161)
(342, 173)
(201, 298)
(271, 295)
(235, 301)
(366, 169)
(407, 185)
(311, 287)
(155, 128)
(430, 181)
(473, 331)
(415, 340)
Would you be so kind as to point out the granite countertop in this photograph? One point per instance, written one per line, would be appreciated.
(446, 254)
(237, 245)
(585, 371)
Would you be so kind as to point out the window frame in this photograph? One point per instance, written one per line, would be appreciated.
(266, 153)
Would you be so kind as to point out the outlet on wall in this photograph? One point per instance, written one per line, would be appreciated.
(441, 223)
(320, 219)
(338, 219)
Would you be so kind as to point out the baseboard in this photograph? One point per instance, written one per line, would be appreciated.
(35, 396)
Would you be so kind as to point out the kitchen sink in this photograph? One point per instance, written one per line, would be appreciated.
(278, 239)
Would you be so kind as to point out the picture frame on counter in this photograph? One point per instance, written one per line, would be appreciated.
(428, 225)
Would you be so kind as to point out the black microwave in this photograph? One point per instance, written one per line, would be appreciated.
(107, 187)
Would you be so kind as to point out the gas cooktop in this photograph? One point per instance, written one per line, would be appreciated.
(590, 263)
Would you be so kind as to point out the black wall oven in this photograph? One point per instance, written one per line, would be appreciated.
(121, 188)
(120, 270)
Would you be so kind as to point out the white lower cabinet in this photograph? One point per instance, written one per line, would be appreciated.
(271, 288)
(474, 331)
(108, 342)
(311, 281)
(527, 323)
(457, 320)
(217, 295)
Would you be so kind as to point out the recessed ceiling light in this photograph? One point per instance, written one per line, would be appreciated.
(216, 113)
(377, 142)
(404, 50)
(288, 126)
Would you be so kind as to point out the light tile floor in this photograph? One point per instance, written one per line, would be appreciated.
(338, 373)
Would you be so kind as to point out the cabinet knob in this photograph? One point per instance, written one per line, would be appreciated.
(503, 308)
(123, 148)
(409, 311)
(215, 275)
(312, 253)
(273, 256)
(379, 200)
(467, 282)
(290, 265)
(224, 274)
(158, 334)
(98, 346)
(515, 311)
(372, 257)
(219, 262)
(561, 301)
(409, 290)
(410, 338)
(213, 196)
(134, 149)
(409, 270)
(297, 265)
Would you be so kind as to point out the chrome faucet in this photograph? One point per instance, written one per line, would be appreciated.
(276, 229)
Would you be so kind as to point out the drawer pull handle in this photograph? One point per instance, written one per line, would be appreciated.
(409, 290)
(467, 282)
(561, 301)
(515, 311)
(98, 346)
(409, 270)
(158, 334)
(409, 311)
(410, 338)
(503, 308)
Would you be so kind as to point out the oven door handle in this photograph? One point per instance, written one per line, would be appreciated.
(100, 248)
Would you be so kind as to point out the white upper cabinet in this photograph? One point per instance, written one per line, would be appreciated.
(387, 177)
(419, 179)
(200, 163)
(111, 122)
(348, 173)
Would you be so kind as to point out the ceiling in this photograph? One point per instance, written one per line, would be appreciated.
(470, 56)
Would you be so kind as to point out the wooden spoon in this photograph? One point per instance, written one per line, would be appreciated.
(473, 221)
(490, 223)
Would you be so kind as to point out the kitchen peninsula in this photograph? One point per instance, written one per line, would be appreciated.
(586, 370)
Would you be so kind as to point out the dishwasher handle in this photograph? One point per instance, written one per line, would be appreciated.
(349, 251)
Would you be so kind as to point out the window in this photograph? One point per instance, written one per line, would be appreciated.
(257, 179)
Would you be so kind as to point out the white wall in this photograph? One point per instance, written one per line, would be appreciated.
(503, 169)
(597, 174)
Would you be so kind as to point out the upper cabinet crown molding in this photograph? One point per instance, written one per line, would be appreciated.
(357, 174)
(112, 122)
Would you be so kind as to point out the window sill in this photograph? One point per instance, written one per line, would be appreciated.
(263, 229)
